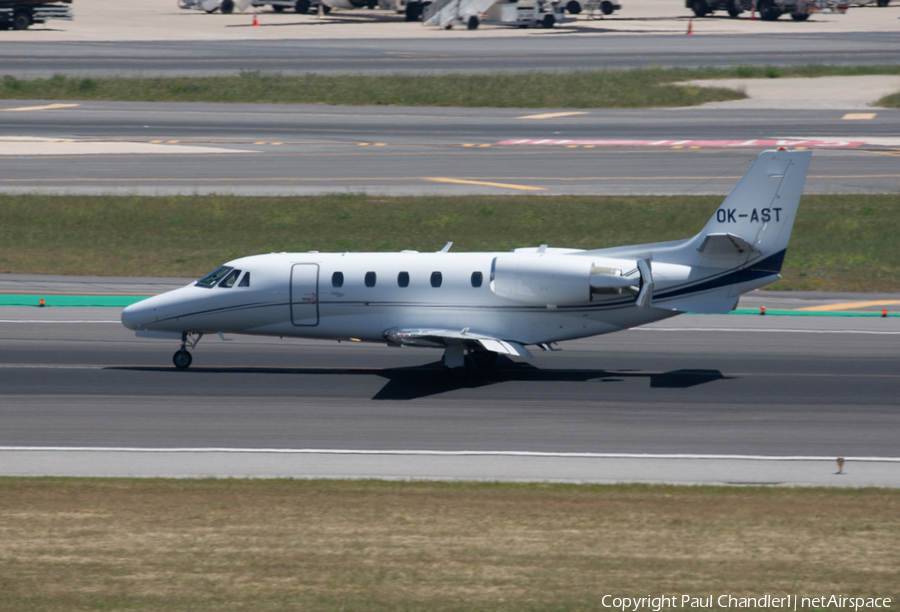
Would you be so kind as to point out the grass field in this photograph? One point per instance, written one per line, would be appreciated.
(261, 545)
(840, 242)
(637, 88)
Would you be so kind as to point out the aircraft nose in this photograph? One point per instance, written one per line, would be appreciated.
(134, 315)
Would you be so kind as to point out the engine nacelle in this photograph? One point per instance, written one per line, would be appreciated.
(548, 279)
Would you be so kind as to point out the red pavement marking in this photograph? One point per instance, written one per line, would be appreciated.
(688, 143)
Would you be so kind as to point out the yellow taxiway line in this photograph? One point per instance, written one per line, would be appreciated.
(553, 115)
(34, 108)
(848, 305)
(437, 179)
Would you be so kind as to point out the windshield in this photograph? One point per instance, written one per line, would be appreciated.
(213, 277)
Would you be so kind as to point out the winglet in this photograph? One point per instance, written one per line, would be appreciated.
(446, 247)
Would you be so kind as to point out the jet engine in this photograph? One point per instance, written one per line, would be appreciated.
(546, 279)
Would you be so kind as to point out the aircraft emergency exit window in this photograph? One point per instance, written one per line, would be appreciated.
(245, 282)
(213, 277)
(403, 279)
(337, 279)
(229, 281)
(436, 279)
(370, 279)
(477, 279)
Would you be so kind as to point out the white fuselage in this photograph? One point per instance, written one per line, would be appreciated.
(294, 294)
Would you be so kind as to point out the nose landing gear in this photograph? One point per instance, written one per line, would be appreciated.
(182, 359)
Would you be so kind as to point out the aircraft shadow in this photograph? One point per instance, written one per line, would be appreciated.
(432, 379)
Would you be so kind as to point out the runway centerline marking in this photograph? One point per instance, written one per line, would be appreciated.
(45, 107)
(553, 115)
(848, 305)
(438, 179)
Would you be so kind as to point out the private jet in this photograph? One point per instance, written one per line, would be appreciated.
(476, 306)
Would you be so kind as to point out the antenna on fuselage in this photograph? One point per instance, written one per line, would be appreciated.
(446, 248)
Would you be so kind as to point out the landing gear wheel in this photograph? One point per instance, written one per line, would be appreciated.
(182, 359)
(484, 359)
(606, 7)
(227, 7)
(302, 6)
(472, 22)
(548, 22)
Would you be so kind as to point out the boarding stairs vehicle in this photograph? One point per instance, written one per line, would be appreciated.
(447, 13)
(21, 14)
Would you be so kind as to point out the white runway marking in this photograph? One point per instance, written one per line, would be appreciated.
(438, 453)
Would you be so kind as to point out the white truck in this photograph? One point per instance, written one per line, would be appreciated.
(770, 10)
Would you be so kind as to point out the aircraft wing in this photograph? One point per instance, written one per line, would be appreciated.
(441, 338)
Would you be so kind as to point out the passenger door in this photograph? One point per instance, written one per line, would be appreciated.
(305, 295)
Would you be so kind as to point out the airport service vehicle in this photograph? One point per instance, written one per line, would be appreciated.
(592, 7)
(769, 10)
(298, 6)
(471, 13)
(476, 306)
(211, 6)
(21, 14)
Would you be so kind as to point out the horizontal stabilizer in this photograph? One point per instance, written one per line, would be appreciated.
(725, 245)
(699, 305)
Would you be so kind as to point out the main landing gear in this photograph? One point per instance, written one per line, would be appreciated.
(459, 362)
(182, 359)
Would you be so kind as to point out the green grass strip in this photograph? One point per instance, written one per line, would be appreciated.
(102, 301)
(638, 88)
(839, 243)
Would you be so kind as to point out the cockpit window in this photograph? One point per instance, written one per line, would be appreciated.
(229, 281)
(213, 277)
(245, 282)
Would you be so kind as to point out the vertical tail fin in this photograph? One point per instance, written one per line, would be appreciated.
(758, 215)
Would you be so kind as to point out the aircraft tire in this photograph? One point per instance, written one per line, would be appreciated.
(182, 359)
(227, 7)
(606, 7)
(472, 22)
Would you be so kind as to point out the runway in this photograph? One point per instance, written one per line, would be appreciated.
(769, 387)
(563, 50)
(249, 149)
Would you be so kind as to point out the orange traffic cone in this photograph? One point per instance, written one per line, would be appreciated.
(255, 19)
(690, 26)
(753, 12)
(321, 10)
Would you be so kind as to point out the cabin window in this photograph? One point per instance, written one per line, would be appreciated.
(477, 279)
(337, 279)
(403, 279)
(229, 281)
(436, 279)
(370, 279)
(245, 282)
(213, 277)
